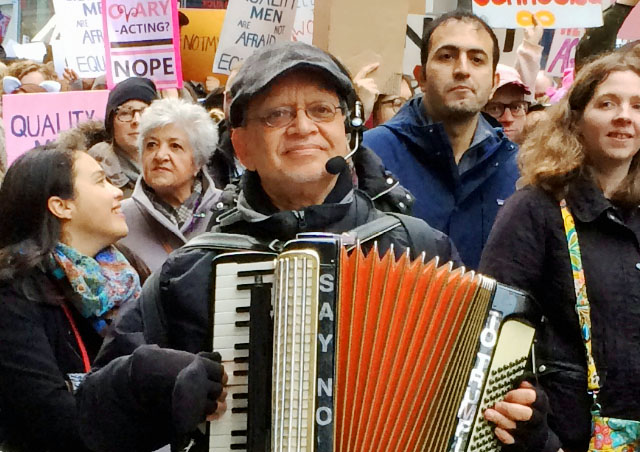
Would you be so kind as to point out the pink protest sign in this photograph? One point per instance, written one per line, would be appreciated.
(142, 39)
(630, 29)
(34, 119)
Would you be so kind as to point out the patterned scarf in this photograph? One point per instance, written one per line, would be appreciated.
(188, 208)
(103, 283)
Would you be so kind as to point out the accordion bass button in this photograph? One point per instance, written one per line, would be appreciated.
(542, 368)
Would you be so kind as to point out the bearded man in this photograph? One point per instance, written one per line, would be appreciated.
(456, 161)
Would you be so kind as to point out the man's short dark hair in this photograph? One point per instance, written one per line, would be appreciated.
(462, 16)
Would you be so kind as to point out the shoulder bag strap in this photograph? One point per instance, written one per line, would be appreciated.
(583, 308)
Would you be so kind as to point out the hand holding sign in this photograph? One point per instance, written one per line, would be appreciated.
(533, 34)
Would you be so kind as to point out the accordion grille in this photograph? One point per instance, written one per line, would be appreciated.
(295, 327)
(407, 335)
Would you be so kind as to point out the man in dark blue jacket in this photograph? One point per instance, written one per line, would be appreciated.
(458, 164)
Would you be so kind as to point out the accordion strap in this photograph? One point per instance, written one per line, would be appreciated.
(373, 229)
(583, 307)
(224, 241)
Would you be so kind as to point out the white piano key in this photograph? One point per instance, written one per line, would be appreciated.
(232, 268)
(224, 442)
(229, 342)
(229, 331)
(229, 318)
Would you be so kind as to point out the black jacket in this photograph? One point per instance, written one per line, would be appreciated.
(37, 351)
(528, 249)
(184, 289)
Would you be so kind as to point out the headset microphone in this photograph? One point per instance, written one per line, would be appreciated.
(336, 165)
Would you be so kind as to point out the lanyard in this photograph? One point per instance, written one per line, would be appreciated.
(583, 308)
(76, 333)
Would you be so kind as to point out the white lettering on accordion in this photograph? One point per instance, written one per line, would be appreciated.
(472, 394)
(326, 282)
(326, 312)
(327, 386)
(324, 341)
(324, 415)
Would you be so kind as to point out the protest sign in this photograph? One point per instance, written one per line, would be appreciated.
(303, 25)
(34, 119)
(82, 46)
(549, 13)
(199, 42)
(35, 51)
(509, 40)
(562, 53)
(630, 30)
(416, 24)
(142, 39)
(336, 31)
(250, 25)
(4, 25)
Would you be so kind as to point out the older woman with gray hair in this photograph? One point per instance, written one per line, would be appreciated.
(173, 199)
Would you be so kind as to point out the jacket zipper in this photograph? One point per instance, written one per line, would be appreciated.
(302, 222)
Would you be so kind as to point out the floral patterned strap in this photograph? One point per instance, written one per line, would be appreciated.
(614, 435)
(583, 308)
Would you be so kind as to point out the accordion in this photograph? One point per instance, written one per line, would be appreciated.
(331, 349)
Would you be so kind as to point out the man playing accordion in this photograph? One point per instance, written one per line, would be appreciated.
(294, 122)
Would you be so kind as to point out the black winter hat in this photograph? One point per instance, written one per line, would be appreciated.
(134, 88)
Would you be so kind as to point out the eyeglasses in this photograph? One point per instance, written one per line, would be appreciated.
(127, 115)
(283, 116)
(496, 109)
(396, 103)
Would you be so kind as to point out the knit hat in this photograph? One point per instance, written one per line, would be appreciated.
(134, 88)
(265, 65)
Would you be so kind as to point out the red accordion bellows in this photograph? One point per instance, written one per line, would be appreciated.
(400, 390)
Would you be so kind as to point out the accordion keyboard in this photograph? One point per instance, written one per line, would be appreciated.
(233, 284)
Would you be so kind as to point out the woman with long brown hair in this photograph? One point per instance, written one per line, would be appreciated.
(571, 238)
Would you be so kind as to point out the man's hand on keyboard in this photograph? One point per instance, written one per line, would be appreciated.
(198, 392)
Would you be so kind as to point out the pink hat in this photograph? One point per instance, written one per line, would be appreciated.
(510, 75)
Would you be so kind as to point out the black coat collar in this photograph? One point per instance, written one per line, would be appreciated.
(586, 199)
(331, 216)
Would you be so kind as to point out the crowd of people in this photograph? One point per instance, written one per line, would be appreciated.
(104, 313)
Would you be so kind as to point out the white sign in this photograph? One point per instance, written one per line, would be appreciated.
(250, 25)
(562, 53)
(303, 25)
(80, 25)
(549, 13)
